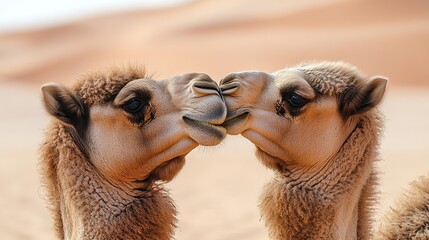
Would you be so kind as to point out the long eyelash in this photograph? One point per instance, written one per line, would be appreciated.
(144, 117)
(152, 112)
(280, 107)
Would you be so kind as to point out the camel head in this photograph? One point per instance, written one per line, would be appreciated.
(135, 130)
(299, 117)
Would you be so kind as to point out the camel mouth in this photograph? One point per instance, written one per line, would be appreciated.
(217, 130)
(235, 119)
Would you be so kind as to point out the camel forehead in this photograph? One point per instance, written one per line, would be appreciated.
(137, 88)
(102, 87)
(330, 78)
(289, 80)
(289, 77)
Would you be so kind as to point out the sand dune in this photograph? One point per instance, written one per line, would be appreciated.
(382, 37)
(218, 189)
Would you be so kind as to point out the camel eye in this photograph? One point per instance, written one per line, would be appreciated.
(297, 101)
(133, 105)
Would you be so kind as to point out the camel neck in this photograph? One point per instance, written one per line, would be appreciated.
(94, 209)
(86, 206)
(332, 204)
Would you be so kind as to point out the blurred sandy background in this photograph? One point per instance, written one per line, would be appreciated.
(217, 191)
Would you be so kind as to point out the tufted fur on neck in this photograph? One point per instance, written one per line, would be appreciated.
(298, 206)
(86, 206)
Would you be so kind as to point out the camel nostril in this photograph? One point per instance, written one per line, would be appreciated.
(230, 87)
(205, 88)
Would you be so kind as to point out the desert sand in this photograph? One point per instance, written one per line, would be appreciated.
(217, 191)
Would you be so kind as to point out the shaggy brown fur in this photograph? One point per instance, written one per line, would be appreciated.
(409, 218)
(75, 188)
(295, 208)
(106, 212)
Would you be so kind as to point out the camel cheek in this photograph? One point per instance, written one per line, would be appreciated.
(115, 144)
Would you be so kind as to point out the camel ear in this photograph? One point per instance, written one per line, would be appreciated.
(63, 105)
(364, 97)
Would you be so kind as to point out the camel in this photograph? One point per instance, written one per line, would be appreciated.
(409, 218)
(115, 137)
(317, 126)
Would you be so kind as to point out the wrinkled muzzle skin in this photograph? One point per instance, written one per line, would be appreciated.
(250, 98)
(244, 98)
(203, 111)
